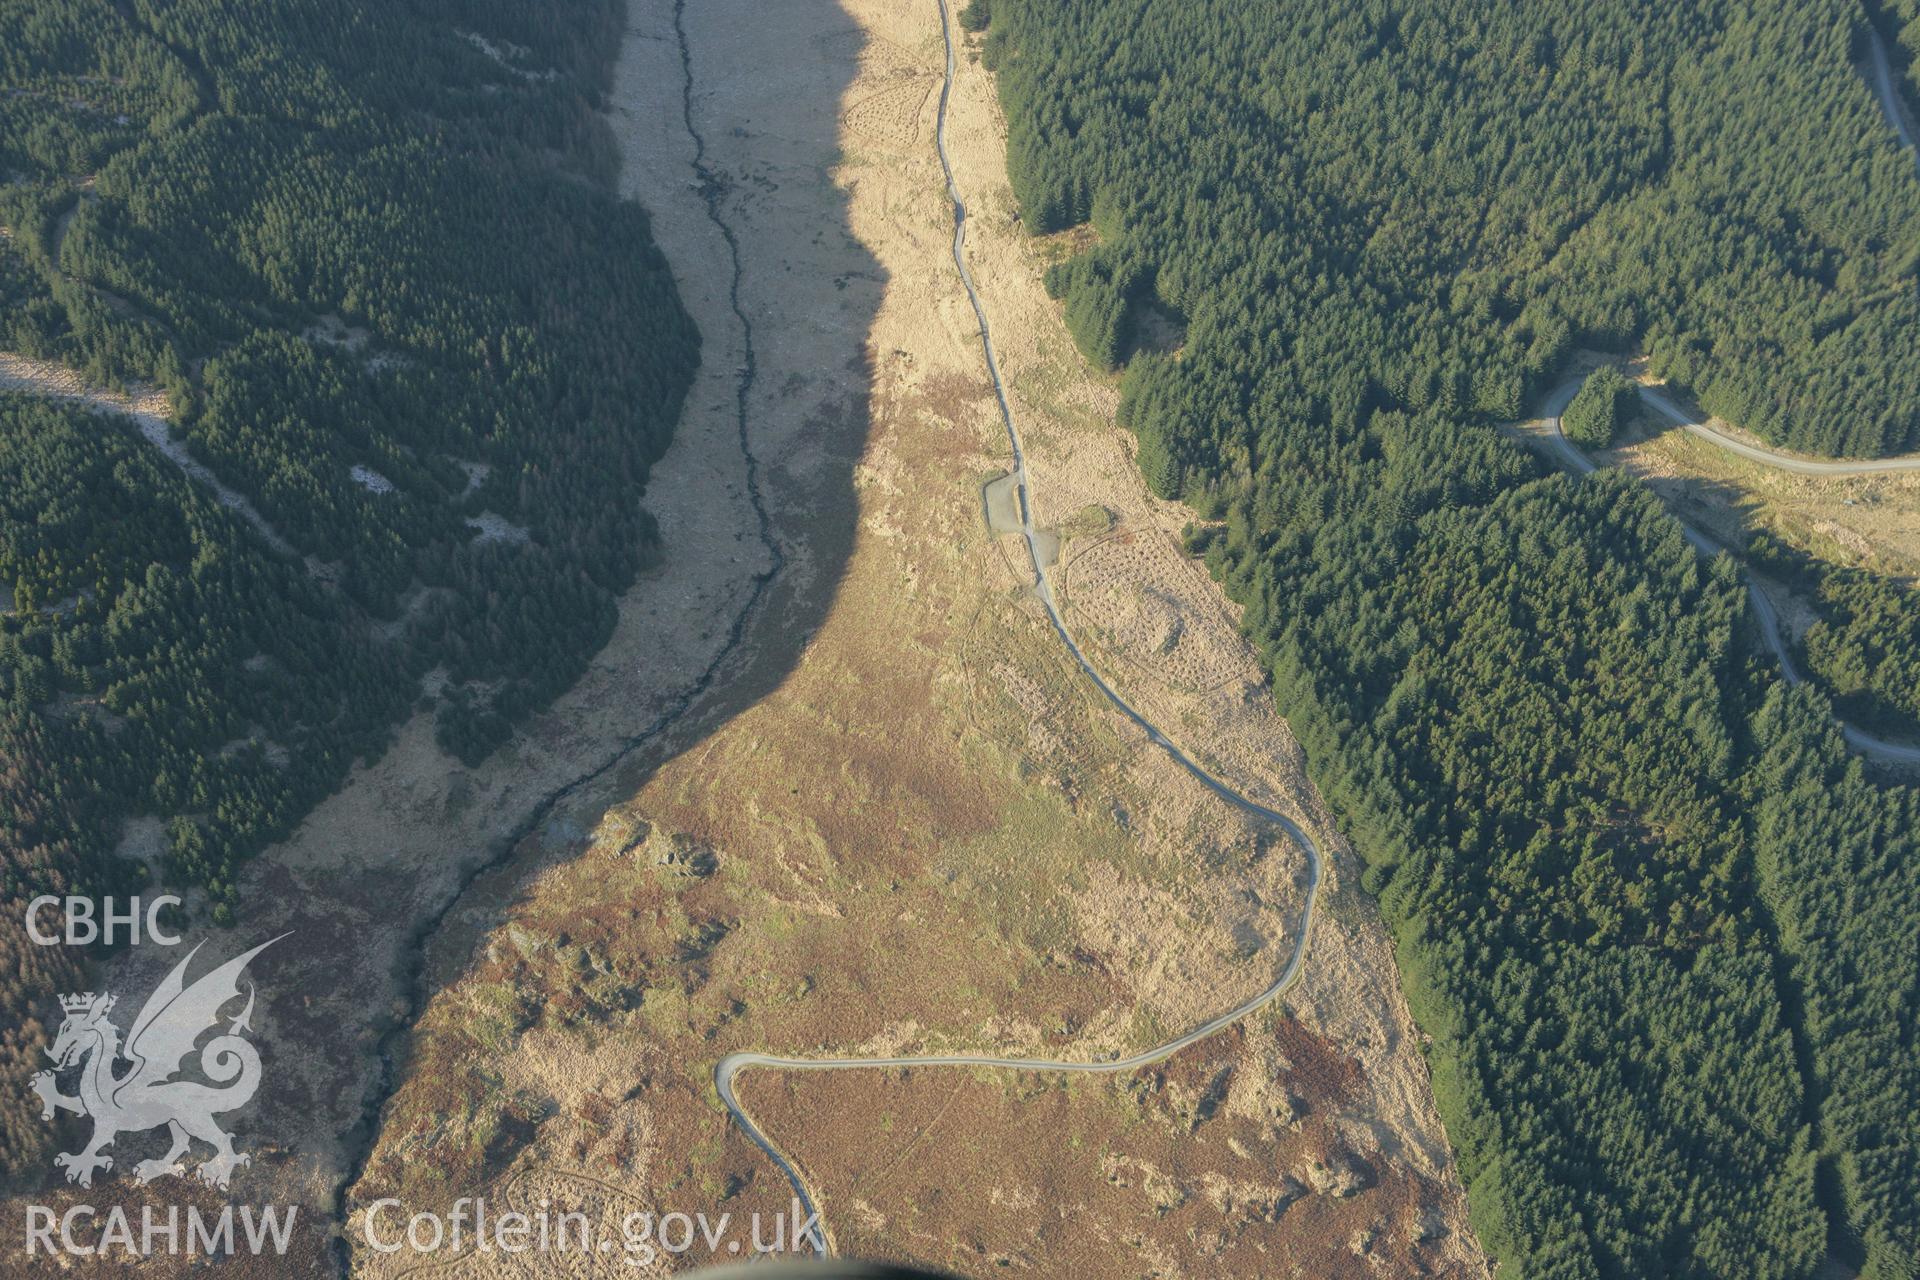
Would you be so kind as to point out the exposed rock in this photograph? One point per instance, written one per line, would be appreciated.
(1264, 1201)
(1338, 1176)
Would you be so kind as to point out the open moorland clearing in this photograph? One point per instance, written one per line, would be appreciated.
(934, 835)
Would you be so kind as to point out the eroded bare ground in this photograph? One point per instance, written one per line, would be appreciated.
(931, 834)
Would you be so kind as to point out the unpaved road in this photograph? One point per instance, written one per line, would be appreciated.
(730, 1066)
(1883, 87)
(1770, 631)
(148, 411)
(1769, 457)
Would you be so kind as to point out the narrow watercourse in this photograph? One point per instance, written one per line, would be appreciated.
(690, 699)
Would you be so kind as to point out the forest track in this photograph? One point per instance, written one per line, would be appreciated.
(148, 412)
(1575, 460)
(1769, 457)
(729, 1067)
(1889, 95)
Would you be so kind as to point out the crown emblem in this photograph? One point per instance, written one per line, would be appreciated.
(86, 1002)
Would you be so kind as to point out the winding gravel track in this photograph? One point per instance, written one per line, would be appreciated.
(729, 1067)
(1768, 457)
(1769, 617)
(1895, 112)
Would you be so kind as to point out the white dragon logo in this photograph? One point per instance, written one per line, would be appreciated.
(147, 1096)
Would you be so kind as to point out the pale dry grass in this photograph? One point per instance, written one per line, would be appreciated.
(933, 834)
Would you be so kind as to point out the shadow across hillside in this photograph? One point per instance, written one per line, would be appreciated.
(788, 336)
(386, 885)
